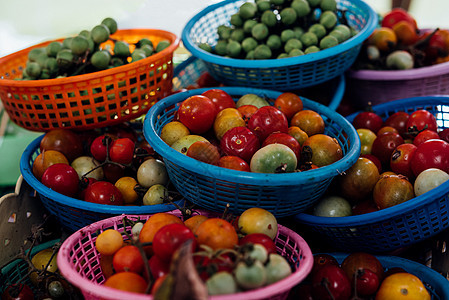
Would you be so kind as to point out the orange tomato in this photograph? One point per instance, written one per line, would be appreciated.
(289, 104)
(46, 159)
(205, 152)
(194, 222)
(405, 33)
(402, 286)
(383, 38)
(127, 281)
(109, 241)
(247, 111)
(309, 121)
(153, 224)
(299, 134)
(227, 121)
(217, 234)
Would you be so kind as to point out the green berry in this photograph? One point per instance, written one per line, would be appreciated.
(287, 34)
(292, 44)
(314, 3)
(328, 19)
(220, 48)
(206, 47)
(328, 5)
(233, 49)
(45, 74)
(250, 55)
(162, 45)
(65, 58)
(145, 41)
(345, 30)
(238, 35)
(338, 35)
(53, 48)
(301, 7)
(85, 33)
(283, 55)
(259, 31)
(137, 55)
(288, 16)
(277, 2)
(79, 45)
(35, 53)
(33, 69)
(298, 32)
(274, 42)
(51, 65)
(328, 42)
(224, 32)
(249, 44)
(269, 18)
(100, 33)
(295, 52)
(148, 50)
(111, 24)
(247, 10)
(262, 52)
(263, 5)
(236, 20)
(311, 49)
(116, 62)
(248, 25)
(100, 59)
(318, 29)
(121, 48)
(66, 43)
(309, 39)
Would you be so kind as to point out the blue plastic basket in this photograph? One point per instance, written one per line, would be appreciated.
(436, 284)
(400, 225)
(187, 73)
(17, 270)
(72, 213)
(213, 187)
(277, 74)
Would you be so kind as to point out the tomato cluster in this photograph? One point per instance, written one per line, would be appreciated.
(228, 255)
(398, 43)
(402, 157)
(250, 134)
(113, 166)
(359, 276)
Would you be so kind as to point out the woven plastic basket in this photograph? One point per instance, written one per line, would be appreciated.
(92, 100)
(436, 284)
(277, 74)
(78, 261)
(72, 213)
(17, 270)
(187, 73)
(213, 187)
(400, 225)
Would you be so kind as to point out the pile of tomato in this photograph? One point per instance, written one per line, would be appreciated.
(400, 44)
(250, 134)
(229, 255)
(402, 157)
(359, 276)
(113, 167)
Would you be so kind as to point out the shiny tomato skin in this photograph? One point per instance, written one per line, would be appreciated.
(322, 259)
(375, 160)
(170, 238)
(338, 284)
(422, 119)
(122, 151)
(197, 113)
(103, 192)
(398, 120)
(61, 178)
(289, 104)
(425, 135)
(259, 238)
(401, 158)
(286, 139)
(98, 148)
(384, 145)
(431, 154)
(396, 15)
(367, 282)
(234, 163)
(240, 141)
(220, 98)
(158, 267)
(368, 120)
(444, 134)
(266, 120)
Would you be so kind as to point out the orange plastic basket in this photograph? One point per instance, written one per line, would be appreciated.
(91, 100)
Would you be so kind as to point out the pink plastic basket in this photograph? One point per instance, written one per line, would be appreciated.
(78, 261)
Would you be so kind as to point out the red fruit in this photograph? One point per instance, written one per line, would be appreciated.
(259, 238)
(362, 260)
(396, 15)
(331, 283)
(266, 120)
(158, 267)
(384, 145)
(240, 141)
(368, 120)
(98, 147)
(122, 151)
(61, 178)
(220, 98)
(103, 192)
(420, 120)
(170, 238)
(63, 140)
(431, 154)
(424, 136)
(206, 80)
(366, 282)
(18, 291)
(444, 135)
(285, 139)
(234, 163)
(197, 113)
(398, 120)
(128, 259)
(322, 259)
(401, 158)
(375, 160)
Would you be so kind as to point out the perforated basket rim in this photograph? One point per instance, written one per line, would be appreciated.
(274, 63)
(28, 176)
(426, 274)
(333, 104)
(264, 179)
(105, 292)
(394, 212)
(174, 43)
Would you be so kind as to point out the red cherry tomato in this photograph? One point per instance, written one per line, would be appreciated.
(401, 158)
(169, 238)
(247, 111)
(424, 136)
(128, 258)
(84, 184)
(289, 104)
(322, 259)
(259, 238)
(431, 154)
(331, 279)
(197, 113)
(233, 162)
(61, 178)
(158, 267)
(207, 266)
(366, 282)
(98, 147)
(103, 192)
(285, 139)
(384, 145)
(395, 15)
(220, 98)
(240, 141)
(368, 120)
(398, 120)
(422, 119)
(266, 120)
(122, 151)
(375, 160)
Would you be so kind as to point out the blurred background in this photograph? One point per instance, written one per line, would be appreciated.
(27, 22)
